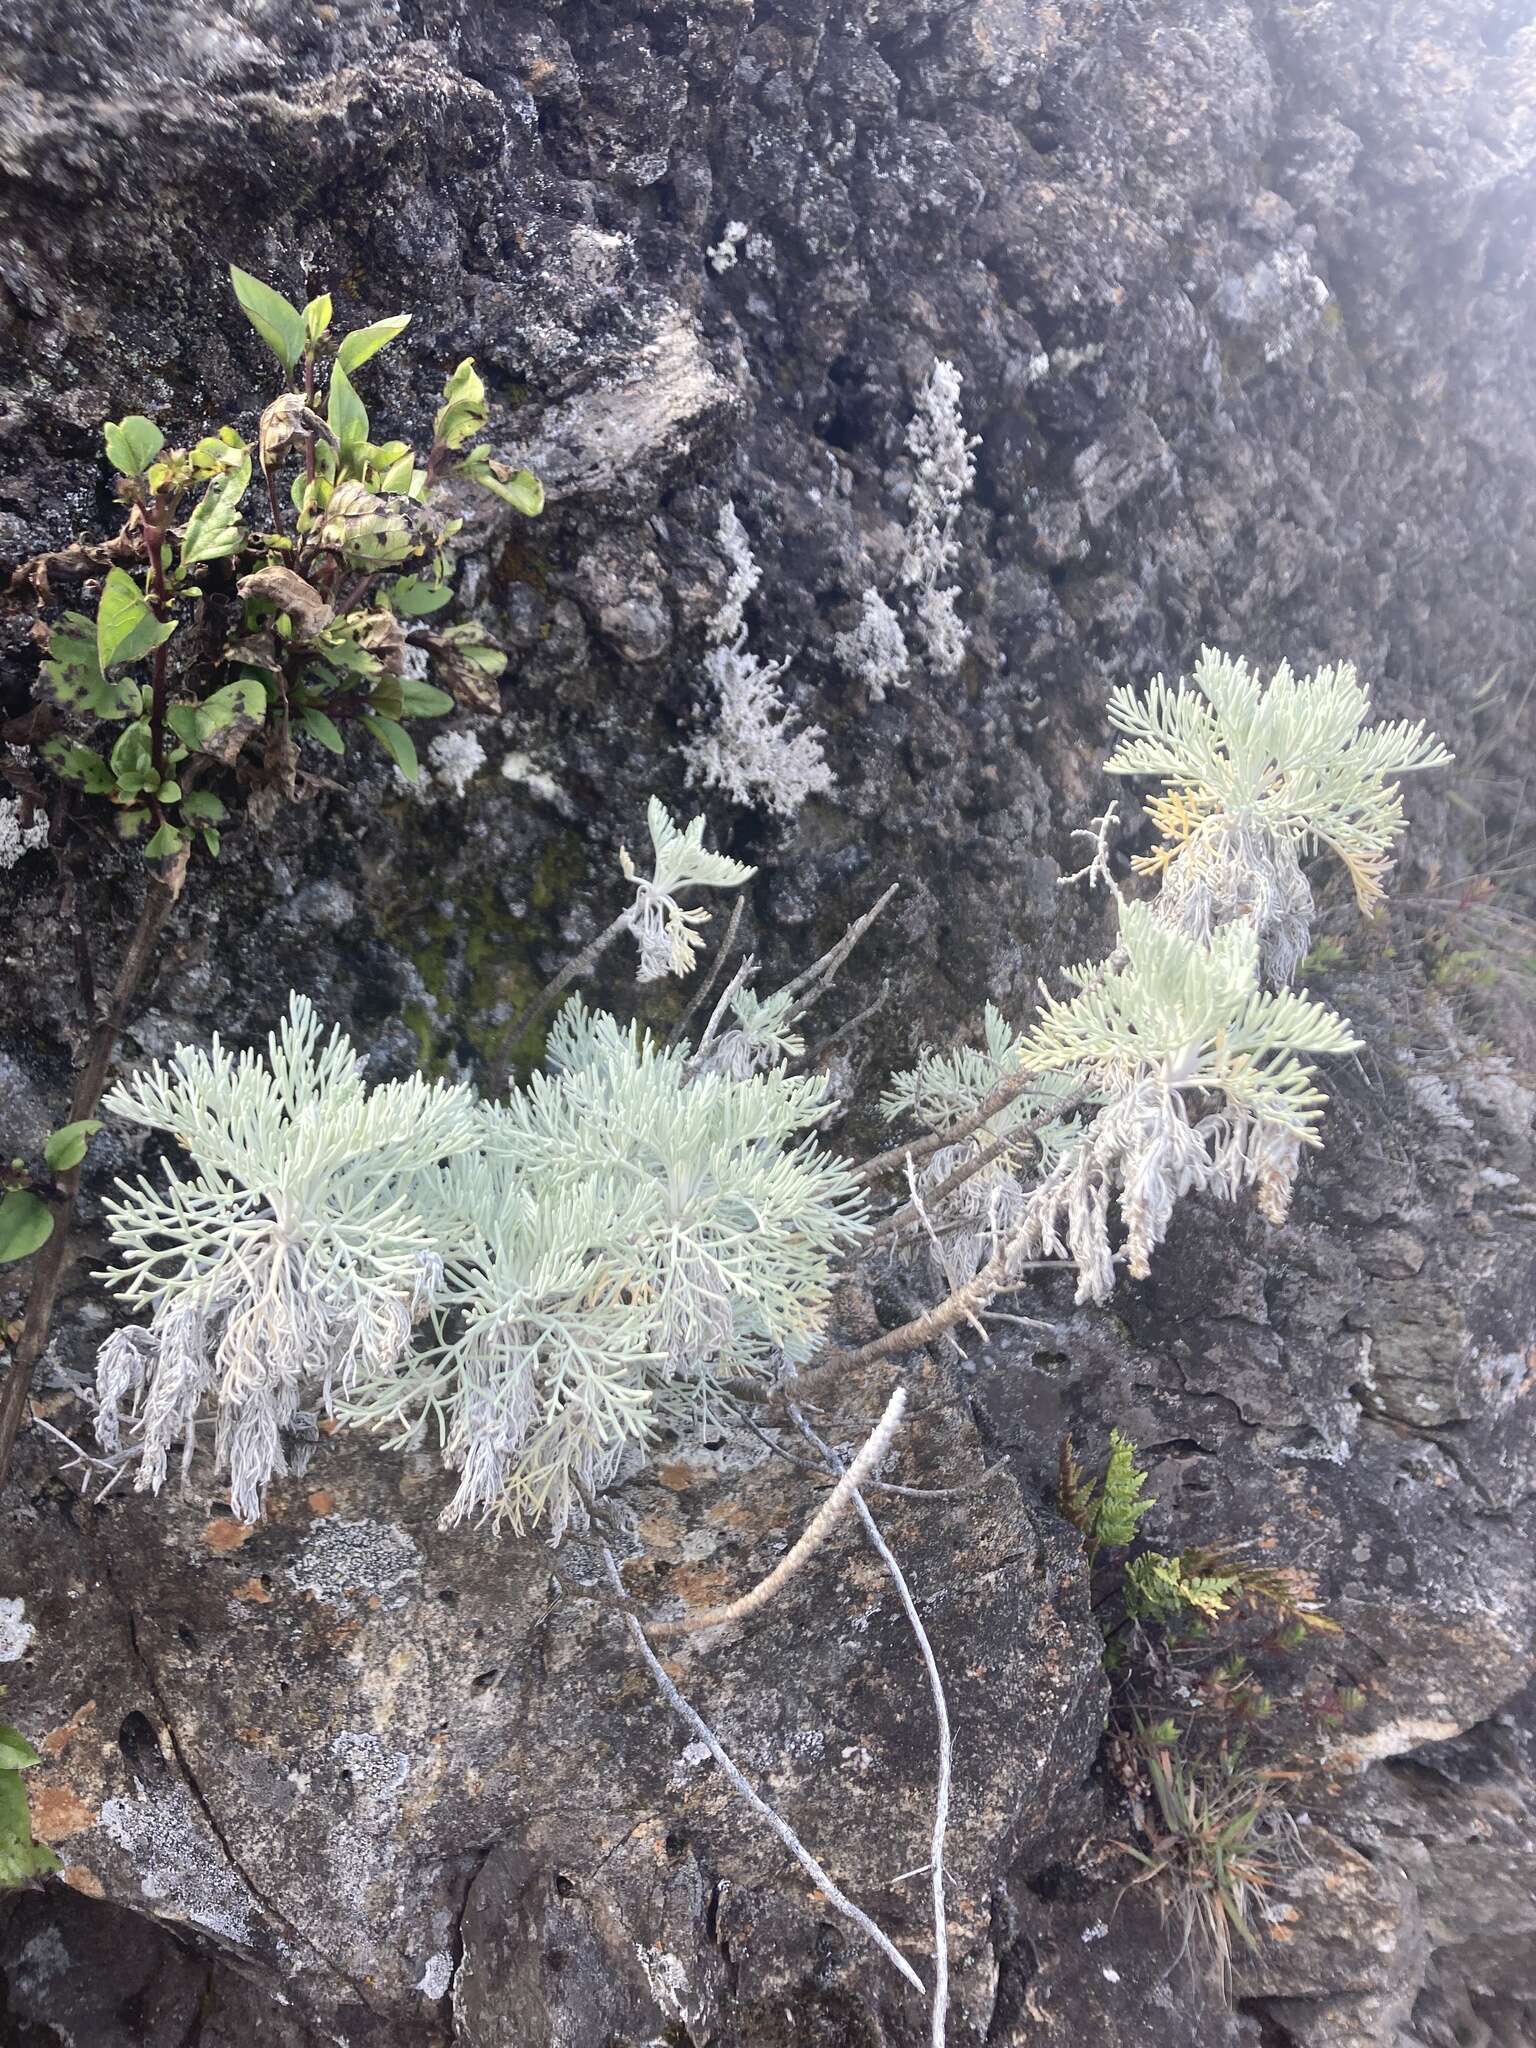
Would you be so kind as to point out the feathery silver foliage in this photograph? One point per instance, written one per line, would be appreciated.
(626, 1237)
(1255, 773)
(965, 1227)
(666, 934)
(290, 1265)
(1204, 1078)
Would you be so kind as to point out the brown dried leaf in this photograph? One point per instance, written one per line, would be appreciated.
(292, 594)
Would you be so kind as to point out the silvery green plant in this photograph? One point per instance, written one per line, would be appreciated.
(290, 1265)
(628, 1234)
(666, 933)
(1195, 1060)
(546, 1283)
(1204, 1080)
(942, 1091)
(1254, 775)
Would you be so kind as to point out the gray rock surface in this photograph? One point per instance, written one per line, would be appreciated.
(1241, 292)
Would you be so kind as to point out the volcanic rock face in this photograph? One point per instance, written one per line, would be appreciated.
(1241, 296)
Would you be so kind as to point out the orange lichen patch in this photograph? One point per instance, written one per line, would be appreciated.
(253, 1736)
(224, 1534)
(58, 1812)
(732, 1514)
(57, 1740)
(79, 1879)
(696, 1588)
(252, 1589)
(660, 1534)
(321, 1502)
(676, 1477)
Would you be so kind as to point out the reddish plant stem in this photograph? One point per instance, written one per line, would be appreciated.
(277, 514)
(90, 1086)
(154, 536)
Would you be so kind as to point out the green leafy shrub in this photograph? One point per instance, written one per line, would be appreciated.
(219, 646)
(218, 642)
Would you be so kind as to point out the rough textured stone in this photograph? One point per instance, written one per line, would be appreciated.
(1242, 299)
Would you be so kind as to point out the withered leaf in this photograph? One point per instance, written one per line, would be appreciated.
(283, 422)
(291, 594)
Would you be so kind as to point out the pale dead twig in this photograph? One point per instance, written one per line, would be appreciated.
(940, 2000)
(830, 1890)
(701, 993)
(812, 1537)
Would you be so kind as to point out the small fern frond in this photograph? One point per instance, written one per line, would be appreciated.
(1123, 1500)
(1074, 1491)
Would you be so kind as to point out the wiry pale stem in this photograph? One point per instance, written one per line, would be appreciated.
(830, 1890)
(813, 1536)
(941, 1714)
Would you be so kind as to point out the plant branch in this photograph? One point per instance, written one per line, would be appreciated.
(90, 1086)
(824, 1883)
(582, 963)
(940, 2002)
(1007, 1090)
(812, 1537)
(890, 1225)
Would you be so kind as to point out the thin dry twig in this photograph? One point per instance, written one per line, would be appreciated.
(901, 1218)
(812, 1537)
(940, 2002)
(819, 976)
(873, 1485)
(830, 1890)
(823, 1046)
(739, 979)
(1007, 1090)
(701, 993)
(579, 964)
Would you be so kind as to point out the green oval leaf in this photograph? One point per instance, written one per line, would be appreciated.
(414, 597)
(397, 743)
(214, 532)
(132, 443)
(25, 1224)
(16, 1753)
(364, 342)
(280, 325)
(73, 671)
(522, 490)
(345, 413)
(21, 1859)
(126, 627)
(423, 700)
(66, 1146)
(323, 729)
(168, 840)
